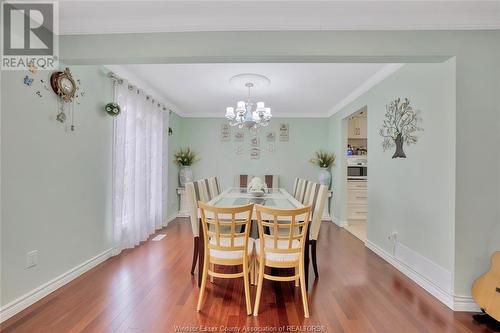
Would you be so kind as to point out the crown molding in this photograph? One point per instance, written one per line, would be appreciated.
(376, 78)
(275, 116)
(113, 29)
(79, 17)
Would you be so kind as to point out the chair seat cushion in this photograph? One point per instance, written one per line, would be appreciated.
(279, 257)
(238, 241)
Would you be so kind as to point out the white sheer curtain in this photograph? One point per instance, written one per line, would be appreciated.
(137, 167)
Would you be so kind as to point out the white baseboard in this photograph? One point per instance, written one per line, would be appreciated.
(453, 302)
(37, 294)
(170, 219)
(465, 303)
(338, 221)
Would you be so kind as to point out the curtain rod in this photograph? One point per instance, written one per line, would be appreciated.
(116, 79)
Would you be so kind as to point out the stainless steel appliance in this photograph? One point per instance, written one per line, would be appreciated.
(357, 168)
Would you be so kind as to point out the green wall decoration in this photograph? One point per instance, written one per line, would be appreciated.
(113, 109)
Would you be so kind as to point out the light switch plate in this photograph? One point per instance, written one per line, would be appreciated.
(31, 258)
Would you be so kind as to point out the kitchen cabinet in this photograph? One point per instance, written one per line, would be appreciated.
(357, 128)
(357, 200)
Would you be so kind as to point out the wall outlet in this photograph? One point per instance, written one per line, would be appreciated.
(393, 236)
(31, 258)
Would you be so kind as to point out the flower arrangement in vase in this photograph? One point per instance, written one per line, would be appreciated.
(185, 157)
(325, 161)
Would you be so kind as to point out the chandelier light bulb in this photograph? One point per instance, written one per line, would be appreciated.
(268, 112)
(260, 107)
(255, 116)
(230, 112)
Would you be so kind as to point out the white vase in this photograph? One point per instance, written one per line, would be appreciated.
(325, 177)
(185, 175)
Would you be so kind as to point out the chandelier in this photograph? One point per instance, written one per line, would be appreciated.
(247, 113)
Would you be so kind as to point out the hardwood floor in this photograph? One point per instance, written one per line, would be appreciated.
(150, 289)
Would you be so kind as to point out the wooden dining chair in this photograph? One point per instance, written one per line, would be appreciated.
(317, 198)
(295, 186)
(301, 195)
(307, 192)
(283, 247)
(225, 245)
(196, 191)
(271, 181)
(213, 186)
(299, 183)
(242, 180)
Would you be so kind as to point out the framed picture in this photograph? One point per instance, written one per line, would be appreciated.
(239, 136)
(271, 136)
(255, 142)
(284, 128)
(225, 133)
(255, 154)
(271, 147)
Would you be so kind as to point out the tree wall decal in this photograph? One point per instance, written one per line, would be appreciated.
(400, 126)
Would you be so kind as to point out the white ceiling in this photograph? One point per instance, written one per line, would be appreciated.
(296, 90)
(98, 17)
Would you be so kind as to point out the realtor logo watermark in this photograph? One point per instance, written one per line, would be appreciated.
(30, 35)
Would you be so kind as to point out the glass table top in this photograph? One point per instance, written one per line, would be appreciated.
(243, 190)
(282, 203)
(276, 198)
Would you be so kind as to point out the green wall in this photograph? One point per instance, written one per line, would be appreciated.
(289, 160)
(56, 184)
(413, 196)
(171, 205)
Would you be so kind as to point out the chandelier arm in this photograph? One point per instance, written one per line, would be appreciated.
(252, 119)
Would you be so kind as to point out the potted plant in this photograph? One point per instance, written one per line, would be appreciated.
(185, 157)
(325, 161)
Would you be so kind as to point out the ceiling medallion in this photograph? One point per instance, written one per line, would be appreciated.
(247, 113)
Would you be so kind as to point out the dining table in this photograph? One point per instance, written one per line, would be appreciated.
(278, 198)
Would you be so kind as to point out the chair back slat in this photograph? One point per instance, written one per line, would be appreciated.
(243, 180)
(298, 190)
(302, 190)
(213, 187)
(202, 189)
(206, 184)
(295, 186)
(293, 222)
(224, 223)
(307, 191)
(217, 187)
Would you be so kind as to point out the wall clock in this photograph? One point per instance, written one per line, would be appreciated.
(63, 85)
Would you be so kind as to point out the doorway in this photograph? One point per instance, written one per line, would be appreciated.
(357, 173)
